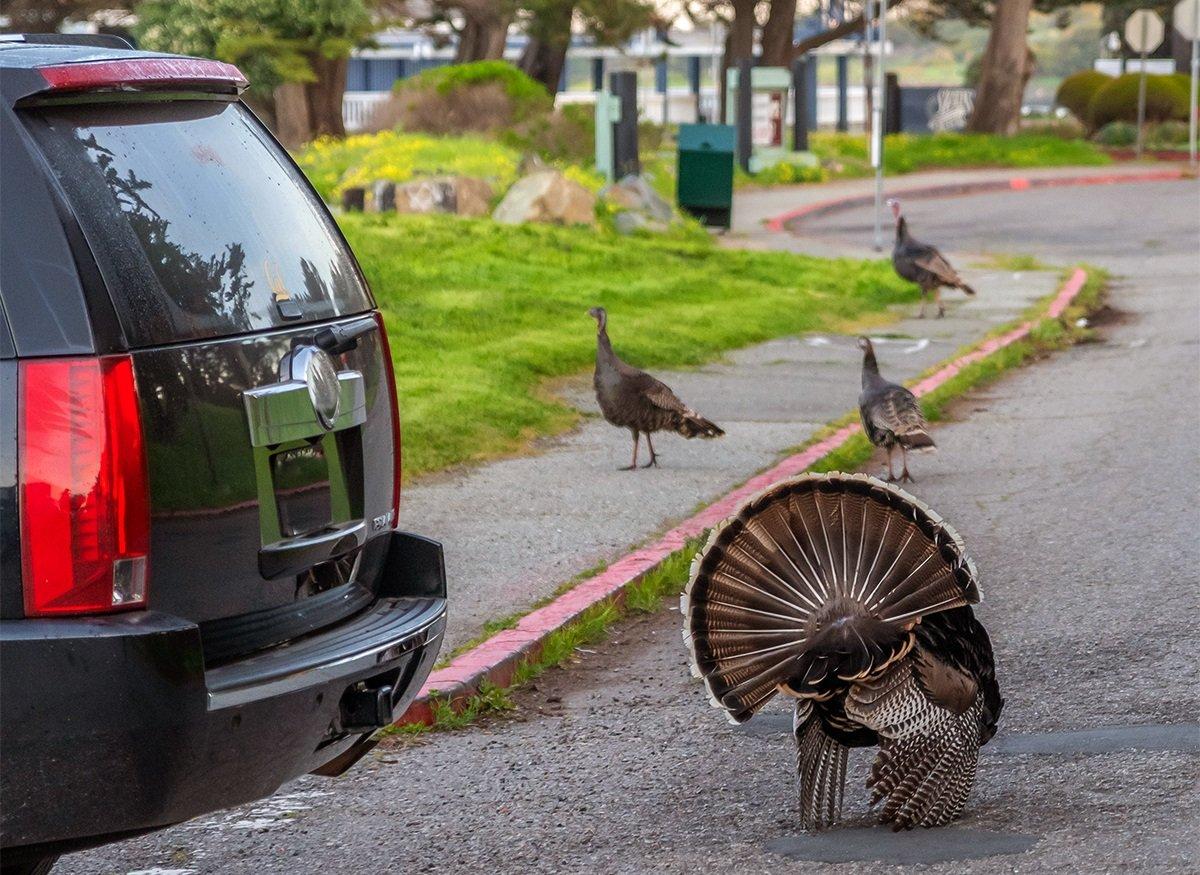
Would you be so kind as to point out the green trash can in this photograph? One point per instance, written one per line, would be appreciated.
(704, 177)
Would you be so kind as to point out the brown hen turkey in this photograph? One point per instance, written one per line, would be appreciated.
(922, 264)
(891, 415)
(633, 399)
(850, 596)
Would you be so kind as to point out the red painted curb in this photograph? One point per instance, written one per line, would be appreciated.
(1014, 183)
(495, 659)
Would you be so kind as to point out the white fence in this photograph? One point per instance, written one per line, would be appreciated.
(358, 106)
(681, 105)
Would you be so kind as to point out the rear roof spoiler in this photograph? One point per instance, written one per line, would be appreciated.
(98, 40)
(142, 74)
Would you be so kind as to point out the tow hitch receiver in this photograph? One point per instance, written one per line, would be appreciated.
(365, 709)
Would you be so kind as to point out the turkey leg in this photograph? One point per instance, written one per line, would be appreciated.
(905, 477)
(891, 473)
(653, 455)
(632, 465)
(937, 299)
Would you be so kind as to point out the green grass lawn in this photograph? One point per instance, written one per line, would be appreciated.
(905, 153)
(481, 315)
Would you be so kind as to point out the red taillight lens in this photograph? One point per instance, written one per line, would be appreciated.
(85, 515)
(390, 373)
(142, 73)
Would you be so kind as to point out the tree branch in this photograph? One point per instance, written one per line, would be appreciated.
(854, 25)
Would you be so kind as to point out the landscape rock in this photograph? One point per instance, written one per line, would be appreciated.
(635, 193)
(383, 197)
(463, 196)
(354, 199)
(547, 196)
(629, 221)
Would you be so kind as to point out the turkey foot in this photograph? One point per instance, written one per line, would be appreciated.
(653, 463)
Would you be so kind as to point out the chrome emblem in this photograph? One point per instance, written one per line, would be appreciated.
(324, 388)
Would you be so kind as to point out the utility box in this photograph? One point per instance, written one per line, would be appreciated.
(704, 177)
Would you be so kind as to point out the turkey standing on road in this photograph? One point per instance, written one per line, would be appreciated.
(922, 264)
(633, 399)
(890, 414)
(850, 596)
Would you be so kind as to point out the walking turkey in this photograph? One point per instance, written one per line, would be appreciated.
(852, 597)
(922, 264)
(633, 399)
(890, 414)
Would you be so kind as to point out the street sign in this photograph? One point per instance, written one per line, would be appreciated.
(1187, 19)
(1144, 31)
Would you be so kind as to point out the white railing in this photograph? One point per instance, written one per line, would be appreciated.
(681, 106)
(359, 106)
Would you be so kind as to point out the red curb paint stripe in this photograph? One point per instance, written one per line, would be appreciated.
(496, 658)
(1015, 183)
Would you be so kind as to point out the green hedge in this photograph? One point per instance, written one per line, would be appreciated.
(521, 89)
(1077, 90)
(1118, 100)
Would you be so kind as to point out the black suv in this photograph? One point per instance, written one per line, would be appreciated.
(202, 590)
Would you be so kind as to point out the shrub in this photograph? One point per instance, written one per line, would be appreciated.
(333, 165)
(1117, 134)
(1183, 81)
(567, 134)
(527, 95)
(1167, 135)
(1118, 100)
(1077, 90)
(483, 97)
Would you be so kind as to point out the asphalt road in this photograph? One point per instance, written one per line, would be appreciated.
(1073, 484)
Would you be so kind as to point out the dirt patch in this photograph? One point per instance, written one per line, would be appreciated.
(1108, 315)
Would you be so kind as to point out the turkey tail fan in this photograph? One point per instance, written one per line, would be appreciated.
(694, 425)
(816, 579)
(917, 439)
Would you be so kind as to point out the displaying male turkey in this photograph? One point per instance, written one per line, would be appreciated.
(922, 264)
(852, 597)
(633, 399)
(891, 415)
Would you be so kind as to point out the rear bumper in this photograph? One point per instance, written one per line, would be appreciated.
(111, 725)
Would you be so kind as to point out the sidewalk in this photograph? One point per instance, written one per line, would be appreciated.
(517, 529)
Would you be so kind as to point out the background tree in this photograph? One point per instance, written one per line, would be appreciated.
(295, 52)
(47, 16)
(549, 25)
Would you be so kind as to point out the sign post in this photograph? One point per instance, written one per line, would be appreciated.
(1144, 33)
(877, 119)
(1187, 21)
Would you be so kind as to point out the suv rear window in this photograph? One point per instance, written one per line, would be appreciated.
(201, 225)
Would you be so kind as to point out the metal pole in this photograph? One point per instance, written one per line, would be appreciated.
(745, 107)
(1141, 114)
(877, 125)
(1194, 108)
(800, 104)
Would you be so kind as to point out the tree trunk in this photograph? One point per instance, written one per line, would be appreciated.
(482, 38)
(324, 96)
(292, 126)
(777, 34)
(545, 54)
(739, 43)
(1003, 71)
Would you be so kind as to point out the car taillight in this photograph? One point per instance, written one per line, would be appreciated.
(390, 373)
(144, 73)
(84, 492)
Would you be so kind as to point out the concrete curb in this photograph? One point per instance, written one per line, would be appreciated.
(495, 659)
(1016, 183)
